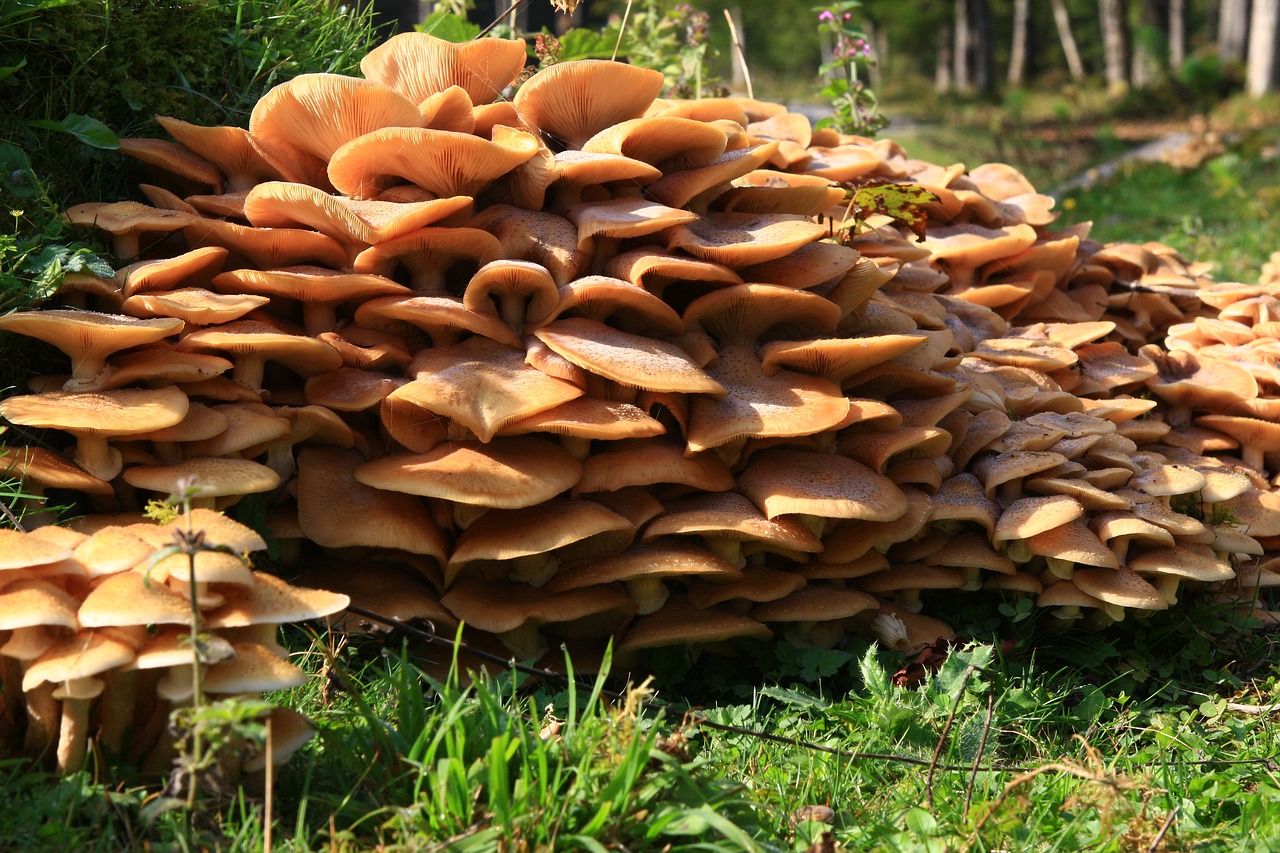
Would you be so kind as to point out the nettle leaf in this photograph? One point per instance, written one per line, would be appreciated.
(583, 43)
(448, 26)
(88, 130)
(903, 203)
(873, 674)
(951, 675)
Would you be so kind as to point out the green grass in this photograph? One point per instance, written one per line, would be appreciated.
(1224, 212)
(1049, 740)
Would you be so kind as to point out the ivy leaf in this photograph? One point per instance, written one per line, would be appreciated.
(903, 203)
(88, 130)
(443, 24)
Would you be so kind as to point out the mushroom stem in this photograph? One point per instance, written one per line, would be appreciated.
(127, 245)
(42, 711)
(534, 569)
(578, 447)
(728, 548)
(1063, 569)
(249, 369)
(118, 705)
(73, 736)
(319, 317)
(1253, 457)
(524, 642)
(97, 457)
(1168, 587)
(648, 593)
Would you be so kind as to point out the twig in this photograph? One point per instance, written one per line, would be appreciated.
(1164, 828)
(13, 519)
(512, 10)
(982, 748)
(946, 729)
(622, 28)
(741, 53)
(1255, 710)
(269, 783)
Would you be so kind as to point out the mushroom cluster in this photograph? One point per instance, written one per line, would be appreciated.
(587, 363)
(96, 631)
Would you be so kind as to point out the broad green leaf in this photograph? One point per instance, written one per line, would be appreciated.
(951, 674)
(88, 130)
(904, 203)
(583, 43)
(793, 697)
(448, 26)
(16, 175)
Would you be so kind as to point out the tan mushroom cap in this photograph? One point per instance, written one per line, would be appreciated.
(655, 270)
(272, 600)
(193, 305)
(316, 114)
(1191, 561)
(522, 293)
(630, 360)
(815, 604)
(266, 248)
(757, 583)
(739, 240)
(320, 290)
(687, 187)
(247, 425)
(619, 303)
(757, 405)
(420, 65)
(680, 623)
(516, 611)
(110, 550)
(508, 472)
(253, 669)
(1071, 543)
(253, 343)
(590, 418)
(744, 313)
(1121, 587)
(289, 732)
(1026, 517)
(427, 253)
(228, 148)
(32, 602)
(483, 385)
(335, 510)
(41, 469)
(213, 477)
(218, 529)
(730, 516)
(572, 529)
(440, 161)
(645, 462)
(783, 481)
(571, 102)
(537, 236)
(1256, 436)
(126, 222)
(131, 598)
(88, 337)
(620, 218)
(93, 417)
(81, 655)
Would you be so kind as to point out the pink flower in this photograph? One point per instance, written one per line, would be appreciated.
(827, 15)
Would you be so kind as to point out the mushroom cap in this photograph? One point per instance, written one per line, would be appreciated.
(38, 467)
(646, 462)
(121, 412)
(440, 161)
(783, 481)
(214, 477)
(757, 405)
(631, 360)
(252, 669)
(31, 602)
(88, 337)
(502, 607)
(678, 622)
(131, 598)
(303, 355)
(81, 655)
(1026, 517)
(589, 417)
(1196, 562)
(570, 102)
(483, 385)
(193, 305)
(420, 65)
(744, 313)
(1123, 587)
(271, 600)
(739, 240)
(729, 515)
(319, 113)
(815, 603)
(508, 472)
(335, 510)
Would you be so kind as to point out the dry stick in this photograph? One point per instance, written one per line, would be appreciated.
(741, 53)
(982, 748)
(1255, 710)
(268, 796)
(946, 729)
(1164, 828)
(515, 7)
(622, 28)
(13, 519)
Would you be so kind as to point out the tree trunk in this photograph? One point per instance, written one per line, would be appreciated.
(1115, 44)
(1177, 33)
(942, 71)
(960, 55)
(1233, 30)
(1062, 20)
(1149, 45)
(980, 44)
(1018, 50)
(1264, 28)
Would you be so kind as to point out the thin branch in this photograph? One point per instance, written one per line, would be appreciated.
(12, 519)
(741, 53)
(1164, 828)
(622, 28)
(511, 10)
(982, 748)
(946, 730)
